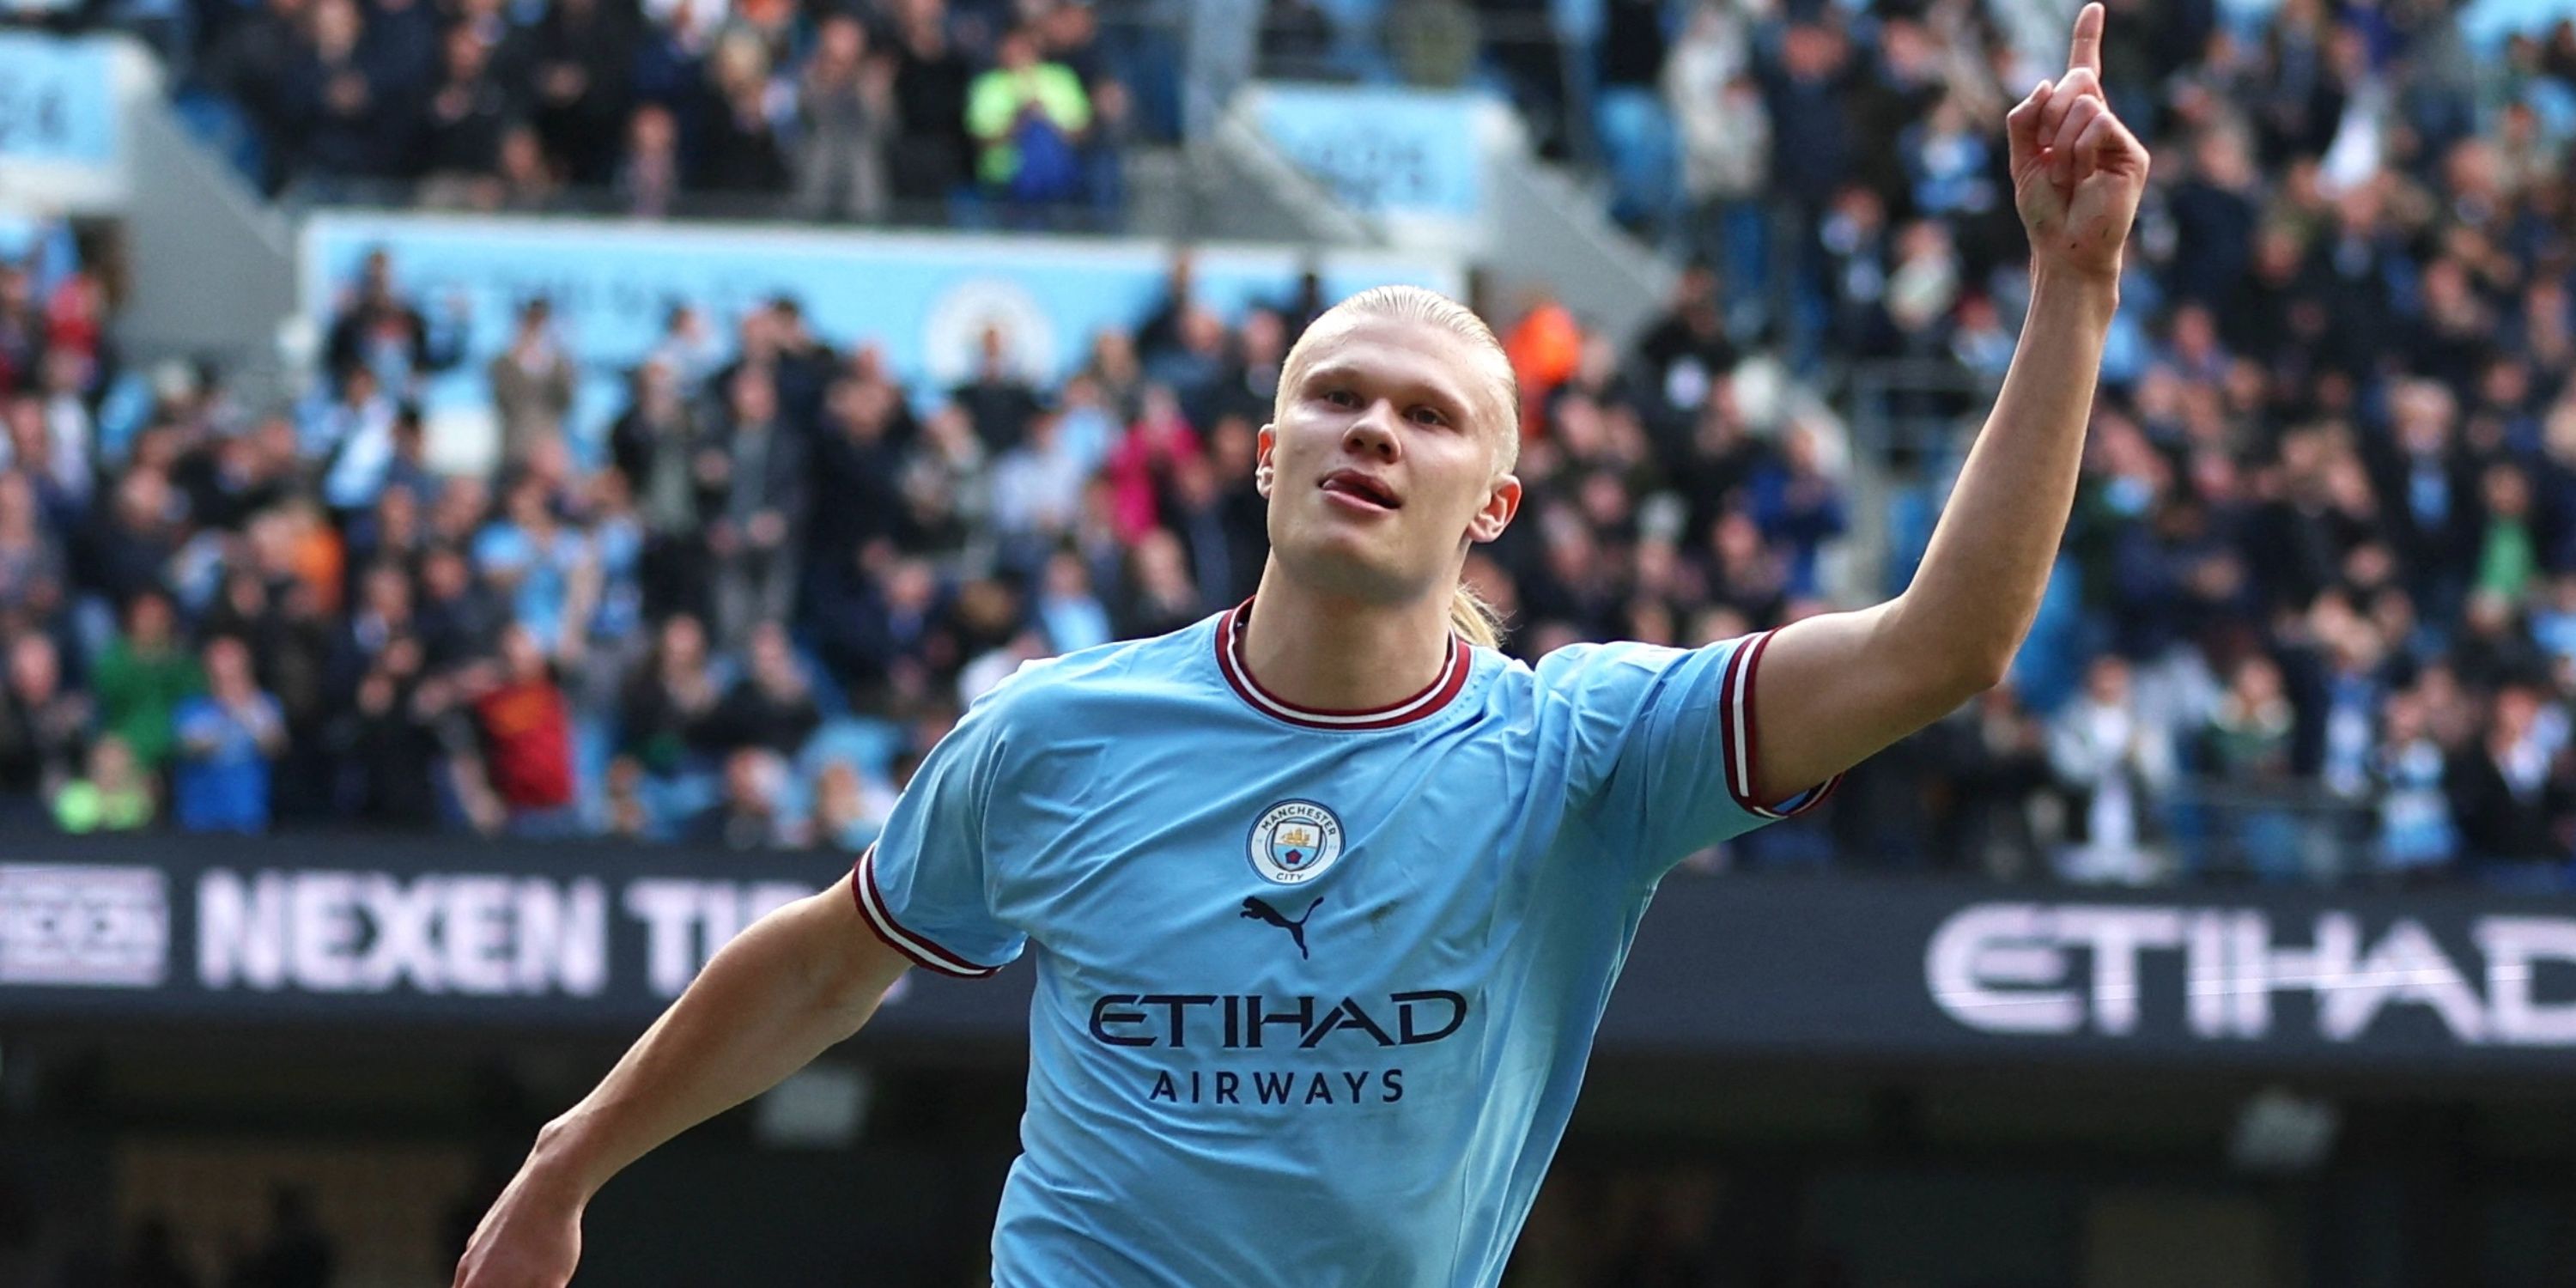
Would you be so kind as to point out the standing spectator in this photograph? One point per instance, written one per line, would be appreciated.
(583, 67)
(648, 181)
(2510, 792)
(749, 815)
(929, 158)
(999, 401)
(772, 707)
(651, 444)
(1724, 129)
(845, 100)
(532, 383)
(739, 152)
(461, 125)
(380, 330)
(389, 744)
(339, 113)
(758, 474)
(1161, 593)
(1805, 93)
(44, 727)
(1066, 610)
(459, 616)
(848, 810)
(539, 562)
(130, 543)
(2117, 765)
(353, 436)
(143, 678)
(250, 63)
(1029, 118)
(2247, 746)
(1799, 506)
(1686, 351)
(70, 434)
(665, 709)
(2214, 214)
(2416, 837)
(859, 467)
(527, 180)
(33, 570)
(525, 724)
(1037, 492)
(1140, 469)
(226, 739)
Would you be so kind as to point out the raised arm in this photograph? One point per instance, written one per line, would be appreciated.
(1837, 687)
(797, 981)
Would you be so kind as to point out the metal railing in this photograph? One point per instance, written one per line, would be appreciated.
(2227, 829)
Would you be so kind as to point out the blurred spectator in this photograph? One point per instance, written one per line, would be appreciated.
(339, 119)
(2115, 764)
(1028, 117)
(381, 330)
(532, 382)
(1724, 128)
(142, 678)
(739, 147)
(846, 109)
(581, 61)
(771, 707)
(466, 112)
(44, 726)
(393, 755)
(930, 157)
(668, 705)
(114, 796)
(525, 726)
(648, 181)
(226, 739)
(749, 817)
(2416, 837)
(2511, 792)
(757, 472)
(848, 810)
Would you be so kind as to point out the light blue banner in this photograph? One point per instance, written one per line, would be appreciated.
(57, 101)
(925, 300)
(1382, 150)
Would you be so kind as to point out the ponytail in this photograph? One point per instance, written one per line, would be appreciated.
(1475, 620)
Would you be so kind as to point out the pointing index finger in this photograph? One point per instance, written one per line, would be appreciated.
(2085, 51)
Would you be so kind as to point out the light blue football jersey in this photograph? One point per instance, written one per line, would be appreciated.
(1314, 989)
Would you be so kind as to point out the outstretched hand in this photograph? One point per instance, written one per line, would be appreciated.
(2077, 171)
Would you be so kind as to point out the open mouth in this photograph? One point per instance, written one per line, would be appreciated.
(1361, 489)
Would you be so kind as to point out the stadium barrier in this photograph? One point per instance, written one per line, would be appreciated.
(334, 930)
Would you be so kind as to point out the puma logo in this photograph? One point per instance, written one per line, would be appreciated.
(1255, 909)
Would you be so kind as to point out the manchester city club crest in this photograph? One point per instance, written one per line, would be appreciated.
(1294, 842)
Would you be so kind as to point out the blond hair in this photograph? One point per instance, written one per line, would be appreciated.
(1475, 620)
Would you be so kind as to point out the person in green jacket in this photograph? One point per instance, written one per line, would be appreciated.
(143, 677)
(1006, 106)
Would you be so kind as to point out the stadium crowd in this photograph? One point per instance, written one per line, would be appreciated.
(827, 112)
(2317, 615)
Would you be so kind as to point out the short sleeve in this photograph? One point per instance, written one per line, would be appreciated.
(923, 886)
(1661, 742)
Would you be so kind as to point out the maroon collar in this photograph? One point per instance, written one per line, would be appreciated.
(1229, 659)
